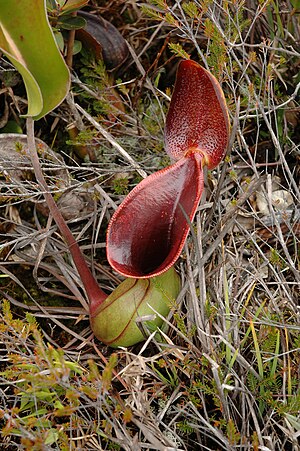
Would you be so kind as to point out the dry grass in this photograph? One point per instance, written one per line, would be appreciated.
(226, 374)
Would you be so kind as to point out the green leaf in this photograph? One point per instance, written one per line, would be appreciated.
(71, 22)
(11, 127)
(58, 405)
(51, 4)
(178, 50)
(73, 5)
(295, 4)
(27, 40)
(59, 40)
(52, 437)
(77, 47)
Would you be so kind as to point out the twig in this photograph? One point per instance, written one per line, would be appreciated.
(70, 44)
(229, 218)
(112, 141)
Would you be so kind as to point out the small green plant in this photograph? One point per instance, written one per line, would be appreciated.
(63, 19)
(50, 390)
(120, 185)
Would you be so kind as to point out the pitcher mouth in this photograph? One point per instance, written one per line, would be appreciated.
(147, 232)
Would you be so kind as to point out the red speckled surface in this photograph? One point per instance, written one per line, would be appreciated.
(147, 232)
(197, 116)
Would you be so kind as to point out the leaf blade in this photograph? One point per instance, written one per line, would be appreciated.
(26, 38)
